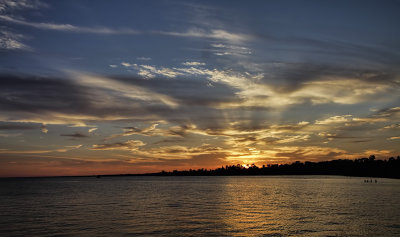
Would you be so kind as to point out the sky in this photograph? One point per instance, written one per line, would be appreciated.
(112, 87)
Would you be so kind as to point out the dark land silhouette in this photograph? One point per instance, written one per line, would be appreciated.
(363, 167)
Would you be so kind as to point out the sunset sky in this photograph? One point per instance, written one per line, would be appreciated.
(109, 87)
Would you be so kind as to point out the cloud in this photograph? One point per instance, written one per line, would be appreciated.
(39, 100)
(217, 34)
(44, 129)
(291, 139)
(149, 131)
(16, 126)
(340, 91)
(10, 5)
(393, 138)
(331, 136)
(254, 91)
(10, 134)
(131, 145)
(148, 71)
(224, 49)
(32, 152)
(199, 112)
(6, 151)
(237, 135)
(356, 129)
(12, 41)
(75, 135)
(92, 130)
(154, 131)
(393, 112)
(69, 27)
(368, 152)
(309, 153)
(392, 126)
(123, 89)
(348, 121)
(335, 120)
(75, 147)
(193, 64)
(179, 152)
(143, 58)
(80, 99)
(186, 99)
(160, 71)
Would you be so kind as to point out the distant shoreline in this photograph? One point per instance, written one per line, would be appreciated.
(363, 167)
(159, 175)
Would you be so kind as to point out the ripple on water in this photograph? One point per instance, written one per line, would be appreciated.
(199, 206)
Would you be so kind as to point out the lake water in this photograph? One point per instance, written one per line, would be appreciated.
(200, 206)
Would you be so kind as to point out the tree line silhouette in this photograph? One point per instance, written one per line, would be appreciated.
(363, 167)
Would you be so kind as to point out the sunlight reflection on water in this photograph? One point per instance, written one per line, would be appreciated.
(200, 206)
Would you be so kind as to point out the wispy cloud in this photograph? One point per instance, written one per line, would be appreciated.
(218, 34)
(123, 89)
(74, 135)
(31, 152)
(12, 41)
(380, 116)
(392, 126)
(224, 49)
(130, 145)
(148, 71)
(193, 63)
(10, 134)
(92, 130)
(7, 5)
(44, 129)
(335, 119)
(143, 58)
(148, 131)
(192, 33)
(393, 138)
(69, 27)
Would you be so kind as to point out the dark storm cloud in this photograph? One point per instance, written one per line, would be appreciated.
(50, 100)
(22, 97)
(35, 94)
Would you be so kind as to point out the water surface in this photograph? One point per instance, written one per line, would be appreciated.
(200, 206)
